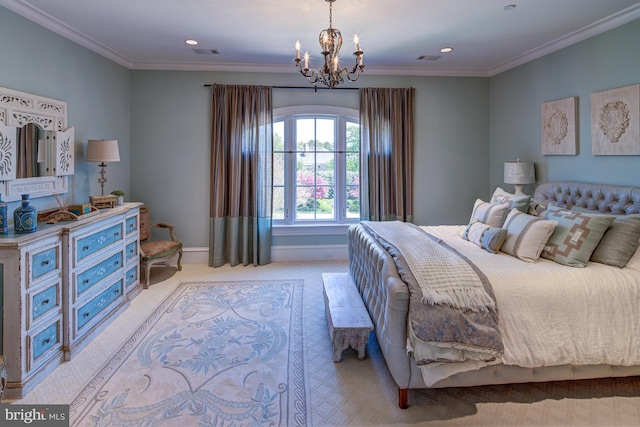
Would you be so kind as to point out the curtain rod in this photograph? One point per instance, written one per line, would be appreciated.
(314, 88)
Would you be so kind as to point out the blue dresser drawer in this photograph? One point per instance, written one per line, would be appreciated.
(132, 276)
(94, 307)
(45, 340)
(45, 301)
(97, 241)
(132, 250)
(132, 224)
(44, 262)
(98, 272)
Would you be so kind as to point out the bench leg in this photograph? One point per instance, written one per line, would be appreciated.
(361, 344)
(344, 338)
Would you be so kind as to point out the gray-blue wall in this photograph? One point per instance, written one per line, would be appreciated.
(465, 127)
(607, 61)
(171, 135)
(97, 92)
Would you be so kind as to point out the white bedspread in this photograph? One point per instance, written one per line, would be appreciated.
(550, 314)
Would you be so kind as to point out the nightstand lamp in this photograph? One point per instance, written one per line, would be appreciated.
(519, 174)
(102, 150)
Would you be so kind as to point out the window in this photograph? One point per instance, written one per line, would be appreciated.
(316, 163)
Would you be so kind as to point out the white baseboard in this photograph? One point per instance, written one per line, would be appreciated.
(196, 255)
(200, 255)
(310, 253)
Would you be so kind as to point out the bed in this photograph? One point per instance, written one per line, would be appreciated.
(556, 320)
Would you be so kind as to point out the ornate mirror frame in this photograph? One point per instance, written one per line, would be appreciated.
(18, 109)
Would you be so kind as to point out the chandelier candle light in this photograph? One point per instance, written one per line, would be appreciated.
(331, 75)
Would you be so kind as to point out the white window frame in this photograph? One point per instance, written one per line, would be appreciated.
(290, 225)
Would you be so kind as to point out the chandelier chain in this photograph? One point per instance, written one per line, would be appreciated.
(331, 13)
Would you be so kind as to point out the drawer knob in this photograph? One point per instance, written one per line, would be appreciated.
(45, 262)
(85, 248)
(45, 302)
(47, 341)
(86, 314)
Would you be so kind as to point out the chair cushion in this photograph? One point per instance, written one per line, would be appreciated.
(159, 249)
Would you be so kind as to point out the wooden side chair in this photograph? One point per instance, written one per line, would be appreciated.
(154, 251)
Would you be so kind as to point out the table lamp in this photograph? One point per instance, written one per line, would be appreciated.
(519, 174)
(102, 150)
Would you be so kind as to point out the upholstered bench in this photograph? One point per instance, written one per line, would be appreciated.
(348, 320)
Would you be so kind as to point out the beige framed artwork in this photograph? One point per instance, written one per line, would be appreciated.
(559, 127)
(615, 122)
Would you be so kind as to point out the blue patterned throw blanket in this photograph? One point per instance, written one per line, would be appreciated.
(452, 308)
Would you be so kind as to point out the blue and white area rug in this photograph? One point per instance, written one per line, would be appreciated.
(212, 354)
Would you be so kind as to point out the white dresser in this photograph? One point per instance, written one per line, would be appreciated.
(61, 286)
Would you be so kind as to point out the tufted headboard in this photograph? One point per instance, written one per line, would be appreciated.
(604, 198)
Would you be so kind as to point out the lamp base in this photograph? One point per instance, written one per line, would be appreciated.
(519, 188)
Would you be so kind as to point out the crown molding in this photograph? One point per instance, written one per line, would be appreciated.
(623, 17)
(24, 9)
(49, 22)
(286, 69)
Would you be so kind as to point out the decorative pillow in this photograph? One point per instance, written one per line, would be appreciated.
(536, 208)
(526, 235)
(576, 236)
(620, 242)
(519, 202)
(489, 213)
(487, 237)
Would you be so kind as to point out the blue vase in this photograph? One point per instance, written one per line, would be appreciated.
(3, 217)
(24, 217)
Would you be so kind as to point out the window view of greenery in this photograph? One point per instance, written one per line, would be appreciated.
(316, 169)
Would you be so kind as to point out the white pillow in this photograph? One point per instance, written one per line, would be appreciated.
(487, 237)
(489, 213)
(519, 202)
(526, 235)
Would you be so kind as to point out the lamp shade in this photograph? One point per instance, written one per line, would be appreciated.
(520, 173)
(103, 150)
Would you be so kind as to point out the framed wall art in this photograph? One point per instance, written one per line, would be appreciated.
(615, 121)
(559, 127)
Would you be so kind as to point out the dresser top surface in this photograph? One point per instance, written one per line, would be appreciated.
(12, 240)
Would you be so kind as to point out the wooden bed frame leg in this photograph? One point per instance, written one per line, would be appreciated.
(403, 398)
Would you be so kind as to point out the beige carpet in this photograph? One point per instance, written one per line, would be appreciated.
(362, 393)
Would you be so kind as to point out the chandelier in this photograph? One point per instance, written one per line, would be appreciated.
(330, 74)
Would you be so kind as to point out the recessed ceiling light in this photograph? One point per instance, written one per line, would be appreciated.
(446, 50)
(191, 42)
(509, 7)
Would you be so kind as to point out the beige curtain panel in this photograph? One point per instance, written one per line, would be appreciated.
(386, 121)
(241, 175)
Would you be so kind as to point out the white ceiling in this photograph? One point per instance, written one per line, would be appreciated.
(260, 35)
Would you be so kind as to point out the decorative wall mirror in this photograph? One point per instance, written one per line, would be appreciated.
(36, 146)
